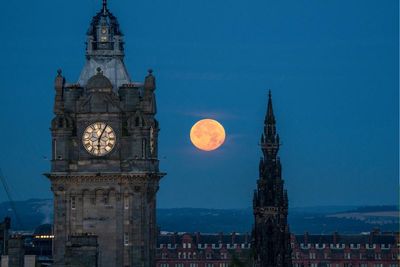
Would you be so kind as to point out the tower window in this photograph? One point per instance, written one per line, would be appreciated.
(73, 203)
(126, 239)
(144, 148)
(126, 202)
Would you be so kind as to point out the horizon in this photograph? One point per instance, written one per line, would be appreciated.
(245, 208)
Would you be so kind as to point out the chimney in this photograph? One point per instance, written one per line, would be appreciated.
(335, 237)
(233, 237)
(174, 238)
(198, 237)
(305, 238)
(221, 236)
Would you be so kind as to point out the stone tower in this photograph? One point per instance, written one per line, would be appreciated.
(271, 237)
(104, 167)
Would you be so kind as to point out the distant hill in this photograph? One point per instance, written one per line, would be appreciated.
(343, 219)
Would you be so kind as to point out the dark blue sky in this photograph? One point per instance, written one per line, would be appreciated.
(332, 67)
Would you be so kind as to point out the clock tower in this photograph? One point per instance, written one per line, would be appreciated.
(104, 168)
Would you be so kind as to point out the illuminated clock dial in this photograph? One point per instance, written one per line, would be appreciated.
(99, 139)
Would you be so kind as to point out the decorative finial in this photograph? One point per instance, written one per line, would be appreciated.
(269, 94)
(59, 71)
(104, 6)
(99, 70)
(150, 71)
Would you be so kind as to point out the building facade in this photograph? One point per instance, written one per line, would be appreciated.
(271, 237)
(4, 235)
(370, 250)
(202, 250)
(220, 250)
(104, 168)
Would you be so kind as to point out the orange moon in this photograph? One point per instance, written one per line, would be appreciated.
(207, 134)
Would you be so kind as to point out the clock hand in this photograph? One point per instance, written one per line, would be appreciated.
(98, 141)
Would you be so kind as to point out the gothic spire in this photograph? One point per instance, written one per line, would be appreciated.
(270, 118)
(269, 122)
(271, 240)
(270, 139)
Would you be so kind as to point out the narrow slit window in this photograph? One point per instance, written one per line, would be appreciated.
(73, 203)
(144, 148)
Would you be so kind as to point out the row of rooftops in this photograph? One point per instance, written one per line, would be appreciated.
(234, 240)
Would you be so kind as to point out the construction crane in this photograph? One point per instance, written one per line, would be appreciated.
(12, 204)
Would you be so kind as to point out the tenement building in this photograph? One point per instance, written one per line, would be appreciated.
(202, 250)
(220, 250)
(104, 168)
(372, 250)
(271, 237)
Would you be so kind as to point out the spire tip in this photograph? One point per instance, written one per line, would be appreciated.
(104, 5)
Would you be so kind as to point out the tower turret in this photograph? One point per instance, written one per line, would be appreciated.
(105, 49)
(59, 88)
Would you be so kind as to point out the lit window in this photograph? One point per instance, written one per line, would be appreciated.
(126, 239)
(126, 202)
(73, 203)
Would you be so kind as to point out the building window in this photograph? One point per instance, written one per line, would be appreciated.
(73, 203)
(126, 202)
(144, 148)
(347, 256)
(126, 239)
(312, 255)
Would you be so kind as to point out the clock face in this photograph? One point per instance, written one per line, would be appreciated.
(99, 139)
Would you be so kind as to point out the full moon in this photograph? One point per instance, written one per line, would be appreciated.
(207, 134)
